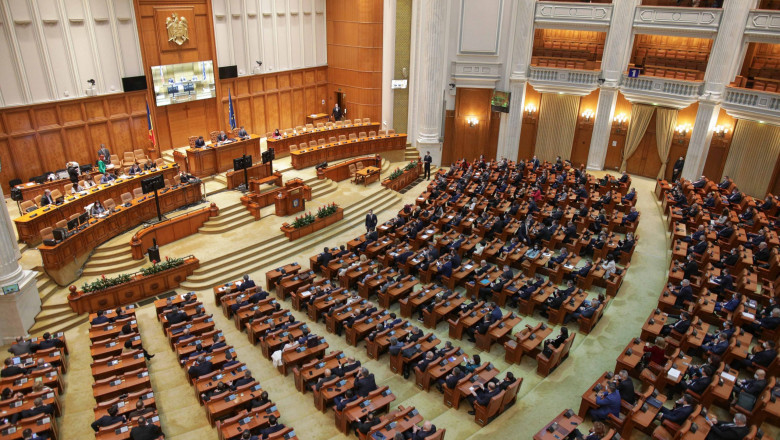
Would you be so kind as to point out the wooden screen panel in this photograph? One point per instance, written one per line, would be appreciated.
(46, 117)
(645, 159)
(55, 152)
(471, 141)
(447, 155)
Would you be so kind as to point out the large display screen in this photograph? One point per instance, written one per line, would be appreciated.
(175, 83)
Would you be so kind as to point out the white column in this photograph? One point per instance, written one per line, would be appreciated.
(511, 123)
(728, 42)
(701, 136)
(388, 62)
(602, 127)
(17, 310)
(617, 50)
(522, 47)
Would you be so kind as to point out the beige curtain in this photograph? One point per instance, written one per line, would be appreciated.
(640, 117)
(752, 156)
(557, 122)
(665, 123)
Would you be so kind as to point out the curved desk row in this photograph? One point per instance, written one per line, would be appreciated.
(29, 225)
(63, 261)
(340, 171)
(170, 230)
(281, 146)
(342, 150)
(214, 159)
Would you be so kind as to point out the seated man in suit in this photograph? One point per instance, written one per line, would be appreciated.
(47, 199)
(101, 318)
(700, 380)
(199, 142)
(38, 408)
(10, 369)
(146, 430)
(684, 293)
(735, 196)
(700, 247)
(718, 346)
(630, 217)
(242, 133)
(324, 258)
(364, 426)
(586, 310)
(327, 376)
(200, 368)
(681, 326)
(737, 430)
(364, 383)
(771, 322)
(420, 433)
(222, 137)
(753, 387)
(107, 178)
(342, 401)
(726, 232)
(728, 260)
(482, 395)
(762, 356)
(608, 402)
(625, 387)
(273, 426)
(48, 342)
(700, 183)
(108, 419)
(683, 407)
(247, 283)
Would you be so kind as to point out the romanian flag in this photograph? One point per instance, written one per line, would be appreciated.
(231, 111)
(149, 125)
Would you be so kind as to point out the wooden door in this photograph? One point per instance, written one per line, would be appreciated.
(645, 161)
(581, 146)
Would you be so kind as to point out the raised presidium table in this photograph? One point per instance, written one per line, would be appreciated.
(340, 171)
(30, 224)
(213, 159)
(316, 118)
(281, 146)
(63, 260)
(350, 148)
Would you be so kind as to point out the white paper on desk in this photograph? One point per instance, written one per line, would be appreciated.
(568, 266)
(748, 315)
(673, 374)
(305, 294)
(546, 254)
(727, 376)
(469, 266)
(430, 231)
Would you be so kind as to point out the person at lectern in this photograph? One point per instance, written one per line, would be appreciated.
(242, 133)
(336, 113)
(222, 137)
(199, 142)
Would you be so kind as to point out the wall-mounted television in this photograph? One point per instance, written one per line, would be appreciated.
(175, 83)
(500, 101)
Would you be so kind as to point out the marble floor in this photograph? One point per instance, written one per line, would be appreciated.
(539, 399)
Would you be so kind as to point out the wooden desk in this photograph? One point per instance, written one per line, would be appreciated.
(367, 175)
(281, 146)
(30, 224)
(217, 409)
(213, 159)
(565, 426)
(121, 385)
(256, 171)
(340, 171)
(316, 118)
(341, 150)
(251, 421)
(63, 261)
(30, 190)
(480, 376)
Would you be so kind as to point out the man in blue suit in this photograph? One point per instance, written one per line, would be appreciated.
(682, 409)
(608, 403)
(246, 284)
(718, 346)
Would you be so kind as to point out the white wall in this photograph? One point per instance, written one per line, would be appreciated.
(50, 48)
(283, 34)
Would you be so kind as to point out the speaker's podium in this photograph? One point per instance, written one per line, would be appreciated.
(292, 198)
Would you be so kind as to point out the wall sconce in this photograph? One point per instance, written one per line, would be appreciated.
(681, 132)
(620, 120)
(721, 130)
(472, 121)
(530, 109)
(588, 115)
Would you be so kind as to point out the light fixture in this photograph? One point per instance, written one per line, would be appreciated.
(529, 109)
(620, 119)
(683, 129)
(588, 115)
(721, 130)
(472, 121)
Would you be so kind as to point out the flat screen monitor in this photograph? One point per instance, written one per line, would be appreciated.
(240, 163)
(59, 233)
(84, 218)
(500, 101)
(175, 83)
(152, 183)
(73, 224)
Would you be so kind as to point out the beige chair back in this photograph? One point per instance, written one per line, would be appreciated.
(213, 136)
(126, 198)
(192, 140)
(115, 161)
(312, 143)
(55, 194)
(270, 134)
(391, 131)
(37, 200)
(329, 124)
(46, 233)
(74, 216)
(302, 145)
(332, 139)
(352, 136)
(362, 134)
(27, 205)
(293, 147)
(62, 224)
(382, 132)
(140, 157)
(97, 179)
(366, 120)
(360, 165)
(168, 183)
(339, 124)
(138, 192)
(320, 141)
(309, 126)
(347, 121)
(160, 162)
(320, 125)
(352, 169)
(68, 188)
(109, 204)
(371, 134)
(342, 138)
(128, 158)
(299, 128)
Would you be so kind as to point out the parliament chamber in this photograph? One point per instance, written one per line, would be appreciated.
(390, 219)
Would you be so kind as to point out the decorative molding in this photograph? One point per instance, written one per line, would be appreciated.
(661, 91)
(572, 15)
(680, 21)
(569, 81)
(482, 26)
(751, 104)
(476, 74)
(763, 26)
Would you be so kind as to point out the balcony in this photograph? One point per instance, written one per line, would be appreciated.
(752, 104)
(763, 26)
(562, 80)
(691, 22)
(563, 15)
(667, 92)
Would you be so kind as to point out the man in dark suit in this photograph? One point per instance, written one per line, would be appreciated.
(47, 199)
(10, 369)
(677, 168)
(682, 409)
(327, 376)
(199, 142)
(336, 113)
(427, 165)
(246, 283)
(371, 220)
(420, 433)
(366, 425)
(771, 322)
(108, 419)
(753, 386)
(38, 408)
(481, 396)
(700, 247)
(684, 293)
(242, 133)
(625, 387)
(763, 254)
(395, 346)
(608, 402)
(176, 316)
(691, 267)
(101, 318)
(364, 383)
(681, 326)
(146, 430)
(701, 380)
(200, 368)
(103, 151)
(761, 357)
(727, 431)
(342, 401)
(222, 137)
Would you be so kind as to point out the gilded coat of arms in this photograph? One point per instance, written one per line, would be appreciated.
(178, 29)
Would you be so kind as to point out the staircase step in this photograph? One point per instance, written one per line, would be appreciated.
(226, 227)
(58, 324)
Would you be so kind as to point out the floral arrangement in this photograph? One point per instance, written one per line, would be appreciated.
(327, 210)
(395, 174)
(412, 165)
(156, 267)
(104, 283)
(303, 220)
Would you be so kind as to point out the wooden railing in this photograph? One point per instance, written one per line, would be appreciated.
(170, 230)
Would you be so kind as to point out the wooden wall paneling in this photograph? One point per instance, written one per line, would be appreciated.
(471, 141)
(491, 147)
(617, 138)
(584, 131)
(719, 148)
(530, 124)
(447, 155)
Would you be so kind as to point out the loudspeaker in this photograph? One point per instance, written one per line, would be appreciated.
(228, 72)
(154, 254)
(133, 83)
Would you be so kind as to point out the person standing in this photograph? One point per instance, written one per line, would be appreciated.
(677, 169)
(427, 165)
(103, 151)
(371, 220)
(336, 113)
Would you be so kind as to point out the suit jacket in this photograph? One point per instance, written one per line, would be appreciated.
(764, 357)
(46, 200)
(365, 385)
(13, 370)
(246, 285)
(626, 390)
(421, 434)
(679, 414)
(146, 432)
(266, 432)
(727, 431)
(371, 220)
(100, 320)
(200, 369)
(483, 397)
(610, 404)
(700, 384)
